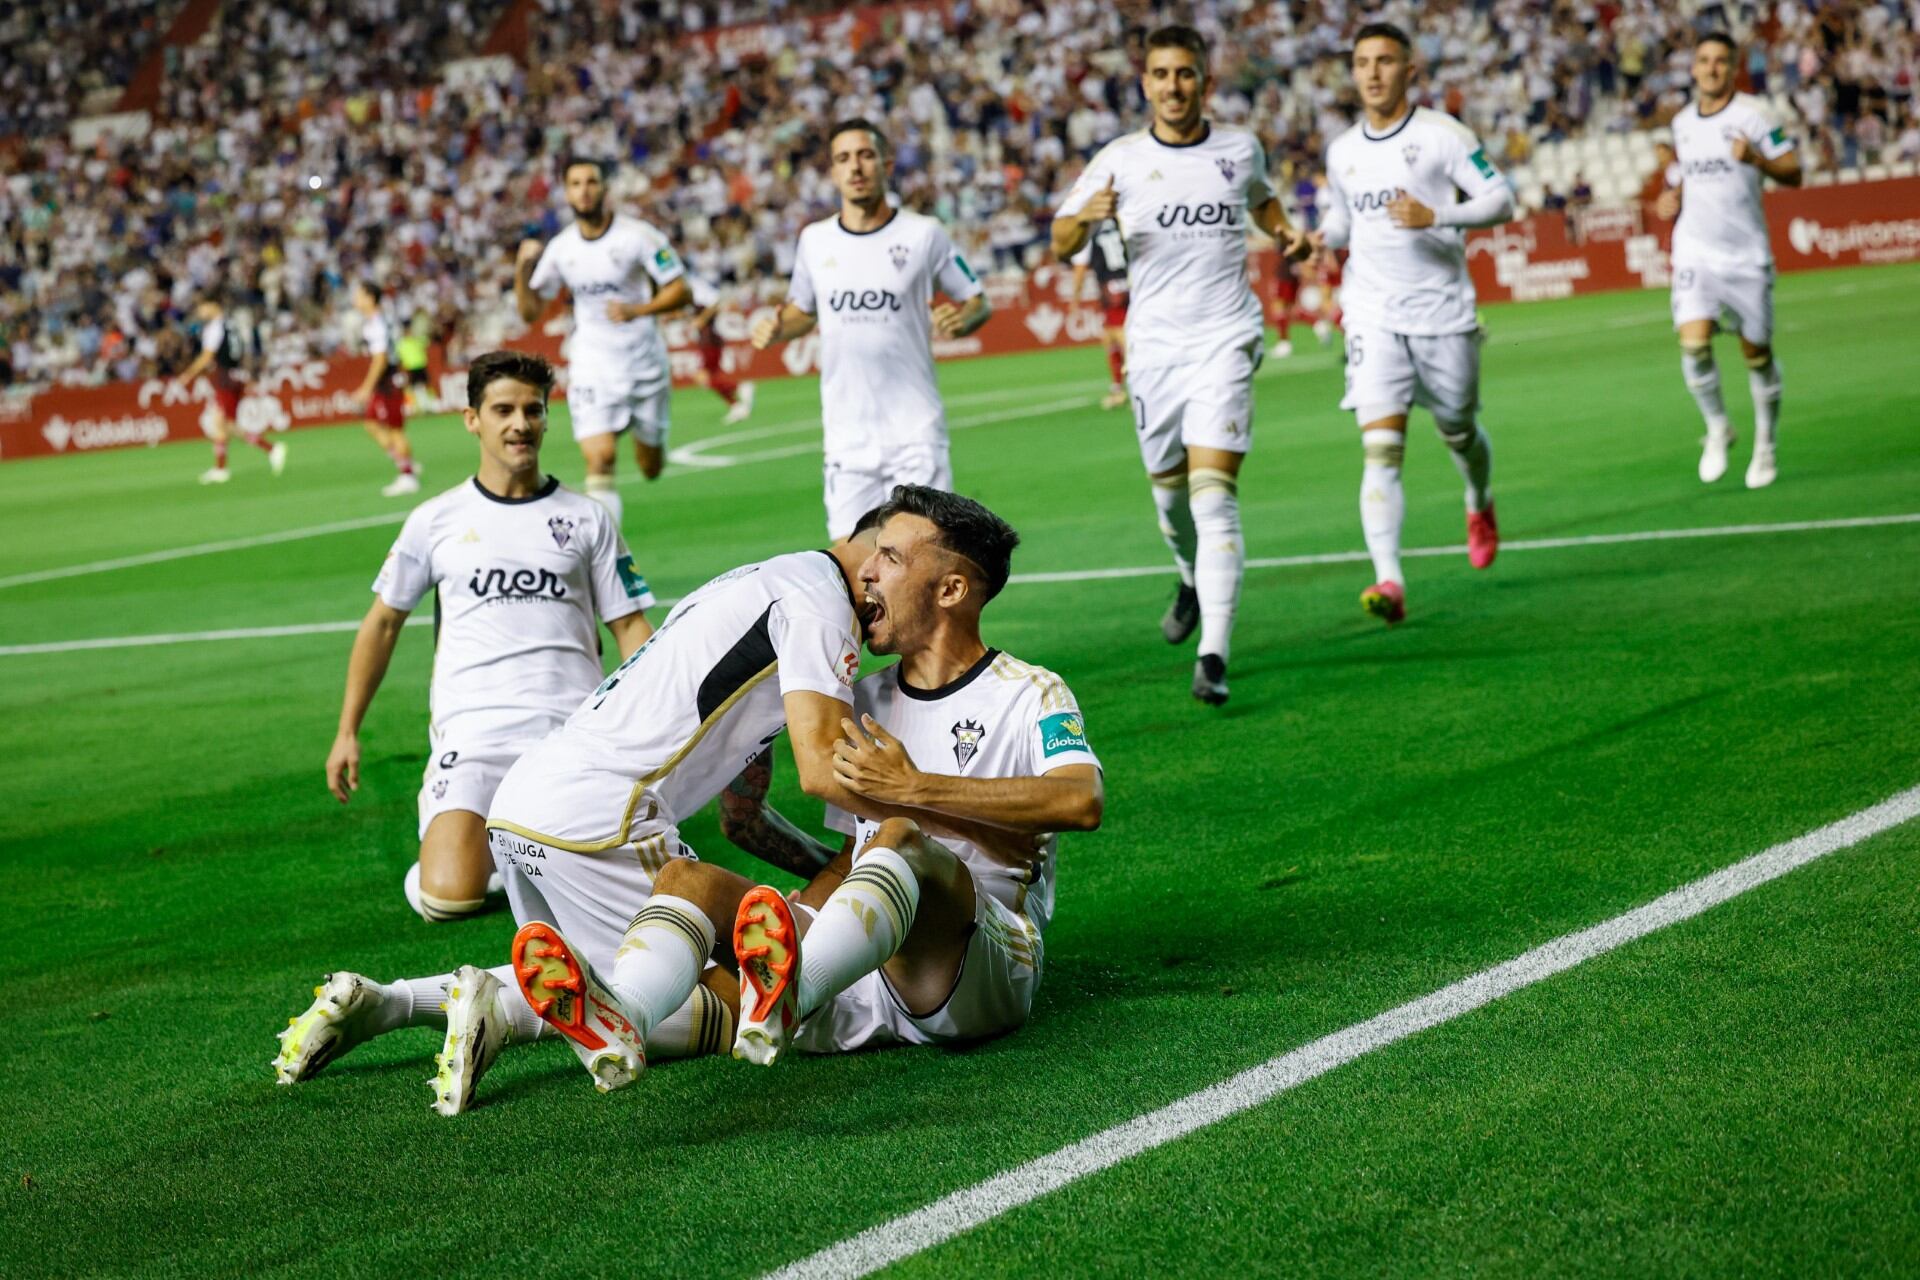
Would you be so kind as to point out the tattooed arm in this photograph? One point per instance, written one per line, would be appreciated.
(746, 820)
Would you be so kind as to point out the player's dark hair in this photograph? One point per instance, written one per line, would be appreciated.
(1382, 31)
(568, 164)
(521, 366)
(858, 122)
(1176, 36)
(872, 520)
(373, 290)
(966, 528)
(1718, 37)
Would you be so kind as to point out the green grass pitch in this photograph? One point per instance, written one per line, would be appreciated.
(1376, 814)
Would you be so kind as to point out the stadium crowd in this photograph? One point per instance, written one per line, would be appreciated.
(295, 149)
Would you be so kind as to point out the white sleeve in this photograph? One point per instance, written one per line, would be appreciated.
(213, 335)
(816, 654)
(951, 272)
(704, 294)
(377, 338)
(1259, 189)
(800, 288)
(1059, 734)
(1769, 139)
(618, 587)
(1489, 199)
(1095, 176)
(662, 263)
(1336, 222)
(407, 574)
(546, 278)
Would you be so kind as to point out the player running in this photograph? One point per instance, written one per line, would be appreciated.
(867, 278)
(1394, 184)
(1183, 192)
(224, 353)
(622, 273)
(519, 570)
(1722, 259)
(383, 393)
(1105, 255)
(916, 940)
(713, 373)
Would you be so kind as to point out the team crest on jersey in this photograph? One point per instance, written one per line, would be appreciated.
(1226, 168)
(898, 253)
(1410, 153)
(966, 741)
(562, 530)
(440, 789)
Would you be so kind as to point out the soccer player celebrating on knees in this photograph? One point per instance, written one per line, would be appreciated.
(1395, 181)
(1722, 260)
(520, 569)
(224, 353)
(622, 273)
(382, 393)
(1105, 254)
(1183, 192)
(866, 278)
(713, 373)
(931, 932)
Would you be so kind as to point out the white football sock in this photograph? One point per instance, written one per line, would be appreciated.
(1764, 380)
(1383, 502)
(858, 928)
(1473, 458)
(417, 1002)
(1221, 560)
(1703, 379)
(701, 1026)
(602, 491)
(1176, 522)
(661, 958)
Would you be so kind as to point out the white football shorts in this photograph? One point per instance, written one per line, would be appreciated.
(993, 994)
(589, 897)
(1206, 404)
(1388, 373)
(599, 409)
(853, 489)
(463, 771)
(1705, 293)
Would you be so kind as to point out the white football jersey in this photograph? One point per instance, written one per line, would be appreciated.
(680, 718)
(1398, 279)
(1183, 214)
(1722, 222)
(1002, 719)
(705, 292)
(377, 335)
(519, 584)
(872, 293)
(624, 263)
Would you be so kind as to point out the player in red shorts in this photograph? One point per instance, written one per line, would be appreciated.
(1286, 296)
(382, 393)
(713, 373)
(1106, 255)
(1320, 295)
(224, 351)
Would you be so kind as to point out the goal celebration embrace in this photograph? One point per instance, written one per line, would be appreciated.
(977, 637)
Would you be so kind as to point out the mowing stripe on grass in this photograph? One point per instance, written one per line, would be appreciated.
(963, 1210)
(201, 549)
(1065, 575)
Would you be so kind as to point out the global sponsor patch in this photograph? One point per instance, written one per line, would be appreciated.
(1062, 732)
(630, 578)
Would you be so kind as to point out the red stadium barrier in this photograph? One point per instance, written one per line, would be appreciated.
(1869, 223)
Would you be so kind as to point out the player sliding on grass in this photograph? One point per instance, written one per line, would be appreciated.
(1183, 191)
(1722, 259)
(588, 817)
(622, 273)
(519, 569)
(916, 939)
(1412, 335)
(867, 278)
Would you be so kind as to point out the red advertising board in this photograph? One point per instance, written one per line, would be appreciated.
(1533, 258)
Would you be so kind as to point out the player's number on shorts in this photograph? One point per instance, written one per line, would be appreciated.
(1140, 414)
(1684, 279)
(1355, 352)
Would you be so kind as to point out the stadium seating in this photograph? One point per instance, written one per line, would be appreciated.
(281, 184)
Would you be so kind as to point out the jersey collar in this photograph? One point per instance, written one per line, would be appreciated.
(1182, 146)
(546, 491)
(892, 213)
(952, 686)
(1405, 120)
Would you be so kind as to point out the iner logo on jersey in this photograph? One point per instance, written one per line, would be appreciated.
(1199, 215)
(863, 300)
(517, 584)
(1371, 201)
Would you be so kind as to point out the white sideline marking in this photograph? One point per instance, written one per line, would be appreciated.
(1028, 579)
(968, 1208)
